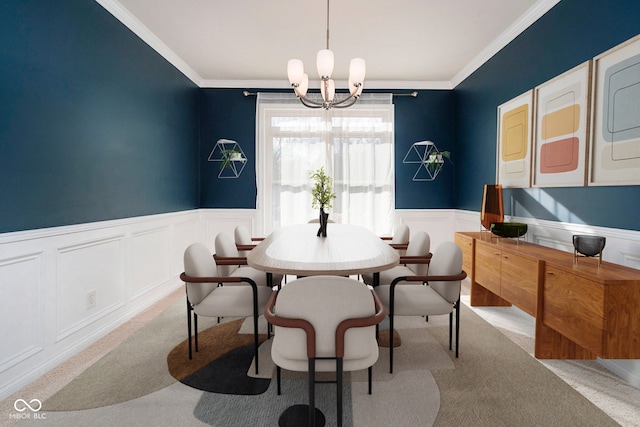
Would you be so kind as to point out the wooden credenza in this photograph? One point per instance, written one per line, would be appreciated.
(582, 310)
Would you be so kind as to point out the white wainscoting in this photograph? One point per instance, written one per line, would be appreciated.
(47, 275)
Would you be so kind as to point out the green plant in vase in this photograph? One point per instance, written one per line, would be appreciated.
(435, 161)
(322, 196)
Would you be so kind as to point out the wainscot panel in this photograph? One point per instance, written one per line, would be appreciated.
(65, 287)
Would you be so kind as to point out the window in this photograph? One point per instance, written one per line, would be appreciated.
(355, 145)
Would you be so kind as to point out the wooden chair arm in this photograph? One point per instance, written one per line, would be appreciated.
(192, 279)
(291, 323)
(399, 246)
(230, 260)
(245, 247)
(417, 259)
(451, 278)
(358, 323)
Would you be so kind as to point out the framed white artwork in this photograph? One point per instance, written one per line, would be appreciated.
(514, 141)
(615, 141)
(562, 129)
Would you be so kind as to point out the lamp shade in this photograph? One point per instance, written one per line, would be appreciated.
(304, 85)
(357, 70)
(328, 90)
(324, 62)
(295, 70)
(354, 89)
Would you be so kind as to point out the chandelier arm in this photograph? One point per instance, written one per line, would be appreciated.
(310, 103)
(343, 102)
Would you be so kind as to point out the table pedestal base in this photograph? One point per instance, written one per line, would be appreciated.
(298, 416)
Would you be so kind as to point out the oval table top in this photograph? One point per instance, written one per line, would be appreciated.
(347, 249)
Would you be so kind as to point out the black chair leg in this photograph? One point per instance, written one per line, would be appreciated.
(189, 328)
(339, 389)
(391, 343)
(195, 327)
(370, 372)
(457, 325)
(450, 328)
(278, 378)
(312, 389)
(255, 340)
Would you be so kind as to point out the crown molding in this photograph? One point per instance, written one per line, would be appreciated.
(533, 14)
(138, 28)
(123, 15)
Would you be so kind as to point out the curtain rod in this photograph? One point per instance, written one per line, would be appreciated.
(412, 94)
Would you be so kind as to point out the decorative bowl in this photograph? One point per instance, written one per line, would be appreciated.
(508, 229)
(588, 245)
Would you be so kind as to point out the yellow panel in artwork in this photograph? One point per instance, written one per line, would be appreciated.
(515, 138)
(565, 121)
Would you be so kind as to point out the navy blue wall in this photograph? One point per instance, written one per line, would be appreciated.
(94, 124)
(226, 113)
(569, 34)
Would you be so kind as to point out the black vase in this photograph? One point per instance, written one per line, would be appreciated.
(324, 218)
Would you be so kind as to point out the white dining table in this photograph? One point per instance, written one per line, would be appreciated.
(347, 250)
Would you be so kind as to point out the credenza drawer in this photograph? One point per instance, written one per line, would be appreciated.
(575, 307)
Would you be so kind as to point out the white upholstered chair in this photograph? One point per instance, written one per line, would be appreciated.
(324, 324)
(212, 294)
(400, 239)
(226, 248)
(413, 263)
(434, 294)
(244, 241)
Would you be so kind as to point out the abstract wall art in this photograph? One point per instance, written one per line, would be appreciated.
(514, 141)
(615, 142)
(562, 129)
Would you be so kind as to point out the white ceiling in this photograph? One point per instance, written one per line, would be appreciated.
(412, 44)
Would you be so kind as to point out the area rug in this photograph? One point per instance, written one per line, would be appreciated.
(494, 382)
(220, 365)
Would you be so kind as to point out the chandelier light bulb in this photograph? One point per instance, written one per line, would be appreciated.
(324, 62)
(295, 71)
(355, 89)
(328, 90)
(357, 70)
(304, 85)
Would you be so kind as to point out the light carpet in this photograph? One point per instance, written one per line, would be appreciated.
(493, 382)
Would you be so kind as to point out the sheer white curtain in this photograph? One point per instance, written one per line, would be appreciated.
(355, 146)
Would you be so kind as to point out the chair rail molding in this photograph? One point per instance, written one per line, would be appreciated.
(42, 272)
(65, 287)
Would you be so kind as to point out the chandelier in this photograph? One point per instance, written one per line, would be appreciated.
(324, 61)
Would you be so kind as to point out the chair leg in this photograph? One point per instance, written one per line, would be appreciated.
(278, 378)
(457, 325)
(339, 373)
(195, 327)
(312, 389)
(450, 328)
(189, 328)
(370, 372)
(255, 340)
(391, 343)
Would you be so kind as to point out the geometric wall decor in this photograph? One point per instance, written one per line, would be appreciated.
(231, 157)
(514, 141)
(615, 142)
(561, 129)
(430, 160)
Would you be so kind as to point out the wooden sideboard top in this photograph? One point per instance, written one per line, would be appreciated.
(607, 273)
